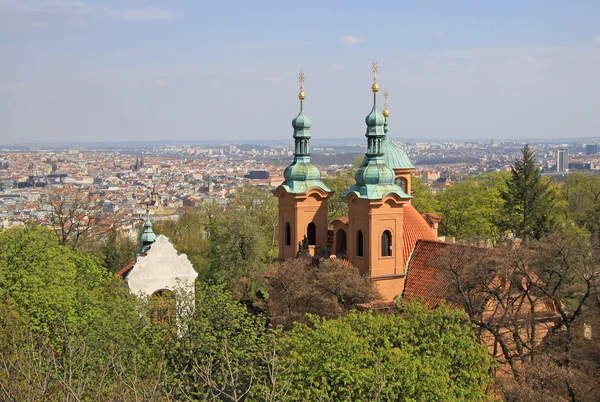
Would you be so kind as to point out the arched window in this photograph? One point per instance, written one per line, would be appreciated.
(340, 242)
(311, 234)
(386, 244)
(359, 243)
(403, 183)
(162, 307)
(288, 234)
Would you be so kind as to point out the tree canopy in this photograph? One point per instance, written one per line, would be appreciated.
(530, 200)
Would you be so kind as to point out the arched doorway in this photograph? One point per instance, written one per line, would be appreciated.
(340, 242)
(311, 234)
(359, 244)
(288, 234)
(162, 306)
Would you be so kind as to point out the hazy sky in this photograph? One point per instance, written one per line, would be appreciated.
(84, 70)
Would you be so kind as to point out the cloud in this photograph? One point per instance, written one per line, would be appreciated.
(161, 83)
(270, 44)
(139, 14)
(438, 34)
(22, 85)
(72, 12)
(596, 38)
(352, 40)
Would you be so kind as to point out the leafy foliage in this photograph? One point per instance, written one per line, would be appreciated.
(581, 192)
(423, 199)
(231, 245)
(340, 183)
(216, 357)
(68, 329)
(471, 209)
(530, 199)
(417, 355)
(116, 251)
(330, 289)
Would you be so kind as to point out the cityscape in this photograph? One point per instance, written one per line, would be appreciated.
(181, 176)
(326, 201)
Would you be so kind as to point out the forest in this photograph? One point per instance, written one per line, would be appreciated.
(71, 331)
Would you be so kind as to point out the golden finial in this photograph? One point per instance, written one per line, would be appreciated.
(301, 78)
(374, 68)
(385, 112)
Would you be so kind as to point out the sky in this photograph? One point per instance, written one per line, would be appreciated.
(127, 70)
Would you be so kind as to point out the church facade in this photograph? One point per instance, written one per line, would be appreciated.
(382, 226)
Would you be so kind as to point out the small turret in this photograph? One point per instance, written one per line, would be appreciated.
(374, 178)
(148, 237)
(302, 175)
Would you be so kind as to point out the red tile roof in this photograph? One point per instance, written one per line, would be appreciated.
(125, 270)
(415, 228)
(424, 278)
(341, 219)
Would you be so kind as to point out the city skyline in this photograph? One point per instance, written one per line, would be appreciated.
(155, 70)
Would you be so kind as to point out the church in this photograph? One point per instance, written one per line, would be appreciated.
(382, 226)
(159, 273)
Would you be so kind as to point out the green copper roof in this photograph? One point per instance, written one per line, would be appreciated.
(302, 175)
(148, 237)
(374, 178)
(394, 156)
(301, 124)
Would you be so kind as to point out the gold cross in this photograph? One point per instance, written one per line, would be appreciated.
(301, 78)
(374, 68)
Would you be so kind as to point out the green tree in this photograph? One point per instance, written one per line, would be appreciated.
(530, 201)
(238, 254)
(423, 199)
(416, 355)
(189, 234)
(581, 192)
(329, 289)
(471, 209)
(259, 205)
(340, 183)
(69, 329)
(116, 250)
(217, 356)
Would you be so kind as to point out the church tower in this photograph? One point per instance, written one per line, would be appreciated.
(148, 237)
(394, 156)
(302, 196)
(374, 231)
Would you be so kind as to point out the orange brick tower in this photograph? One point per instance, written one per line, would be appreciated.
(302, 196)
(374, 230)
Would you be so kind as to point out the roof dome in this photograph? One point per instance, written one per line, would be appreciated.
(301, 124)
(148, 236)
(375, 121)
(394, 156)
(374, 172)
(301, 170)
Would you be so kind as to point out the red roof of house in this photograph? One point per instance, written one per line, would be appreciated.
(425, 279)
(125, 270)
(415, 228)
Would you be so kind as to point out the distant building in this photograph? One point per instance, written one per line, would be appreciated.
(581, 166)
(258, 175)
(432, 175)
(562, 160)
(591, 149)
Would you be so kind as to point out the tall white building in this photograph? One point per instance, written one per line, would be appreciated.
(562, 160)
